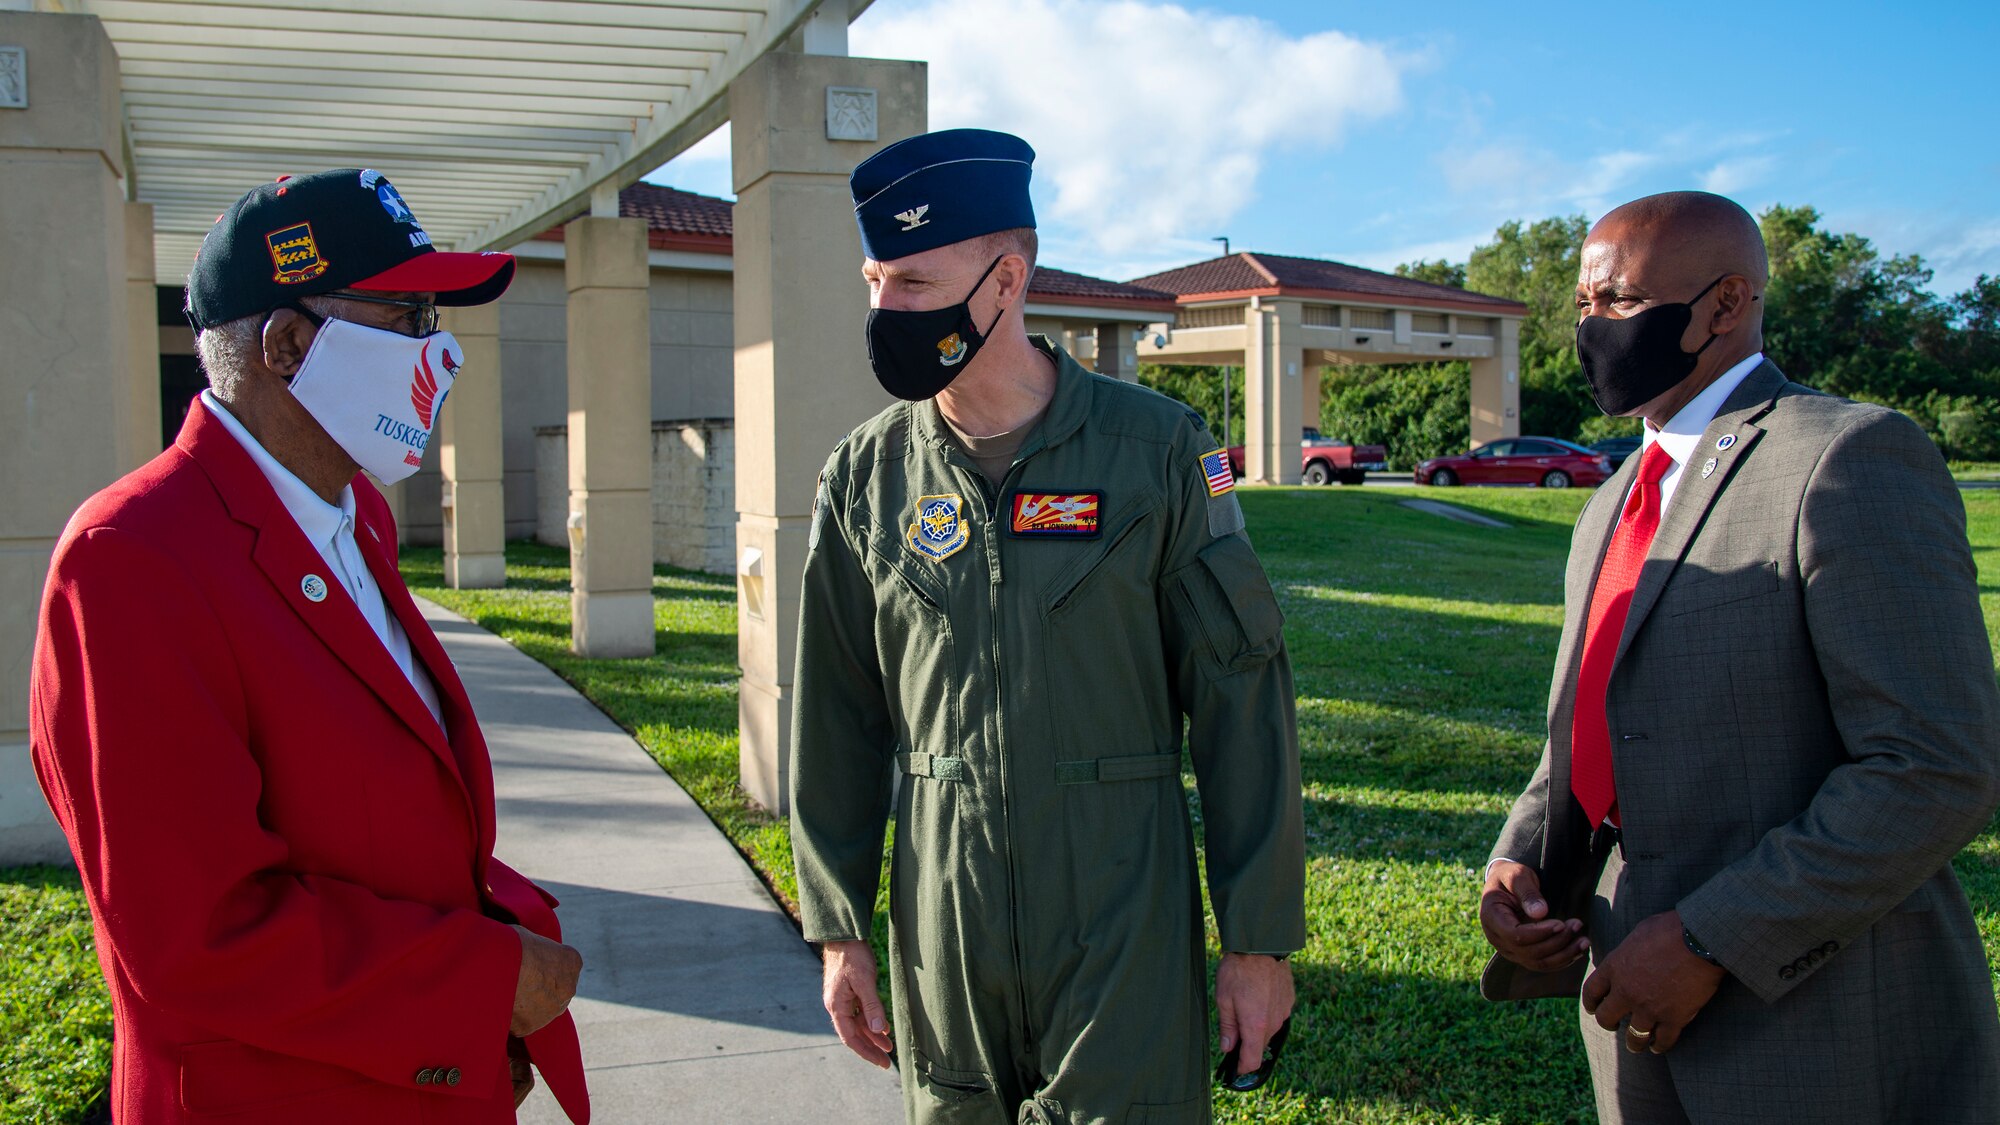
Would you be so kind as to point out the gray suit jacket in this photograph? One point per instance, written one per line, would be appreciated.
(1805, 730)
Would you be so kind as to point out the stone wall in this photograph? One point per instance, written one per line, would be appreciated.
(694, 492)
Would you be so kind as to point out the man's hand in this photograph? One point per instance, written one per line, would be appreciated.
(850, 998)
(1253, 998)
(524, 1079)
(1517, 923)
(547, 983)
(1652, 979)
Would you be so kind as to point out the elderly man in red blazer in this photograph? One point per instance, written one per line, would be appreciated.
(267, 768)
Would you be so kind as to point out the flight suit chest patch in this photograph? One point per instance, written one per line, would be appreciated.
(1056, 515)
(939, 530)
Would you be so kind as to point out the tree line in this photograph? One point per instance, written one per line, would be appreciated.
(1838, 316)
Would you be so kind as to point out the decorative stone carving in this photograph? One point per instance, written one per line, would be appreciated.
(850, 113)
(14, 83)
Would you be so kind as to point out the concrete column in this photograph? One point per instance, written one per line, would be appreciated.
(1310, 396)
(142, 395)
(1496, 387)
(610, 438)
(1116, 355)
(802, 378)
(66, 379)
(1273, 367)
(475, 515)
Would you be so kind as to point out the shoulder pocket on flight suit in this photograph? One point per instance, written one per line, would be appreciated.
(1229, 602)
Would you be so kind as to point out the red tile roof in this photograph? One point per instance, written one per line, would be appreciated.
(702, 224)
(1061, 287)
(1247, 273)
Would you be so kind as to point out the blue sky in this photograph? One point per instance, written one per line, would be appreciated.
(1376, 133)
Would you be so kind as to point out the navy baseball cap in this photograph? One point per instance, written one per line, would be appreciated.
(345, 229)
(935, 189)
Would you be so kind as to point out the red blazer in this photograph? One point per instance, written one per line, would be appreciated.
(290, 865)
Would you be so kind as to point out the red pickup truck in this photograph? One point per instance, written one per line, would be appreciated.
(1323, 460)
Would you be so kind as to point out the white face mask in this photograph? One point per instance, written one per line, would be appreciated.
(377, 393)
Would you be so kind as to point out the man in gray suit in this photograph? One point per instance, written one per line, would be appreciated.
(1773, 723)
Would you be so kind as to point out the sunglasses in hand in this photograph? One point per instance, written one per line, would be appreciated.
(1242, 1082)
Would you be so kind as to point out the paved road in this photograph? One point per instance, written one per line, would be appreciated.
(699, 1002)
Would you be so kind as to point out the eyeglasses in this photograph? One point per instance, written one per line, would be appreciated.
(422, 318)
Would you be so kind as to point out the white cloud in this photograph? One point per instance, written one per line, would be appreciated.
(1152, 123)
(1956, 246)
(1737, 174)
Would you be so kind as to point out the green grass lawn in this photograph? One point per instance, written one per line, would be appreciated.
(55, 1018)
(1422, 649)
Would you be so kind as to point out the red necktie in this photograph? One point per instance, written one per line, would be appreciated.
(1590, 775)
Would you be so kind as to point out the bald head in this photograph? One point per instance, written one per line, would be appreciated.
(1681, 247)
(1690, 233)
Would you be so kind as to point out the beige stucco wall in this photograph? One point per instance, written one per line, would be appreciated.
(694, 492)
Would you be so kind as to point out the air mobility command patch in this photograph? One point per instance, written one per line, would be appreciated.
(940, 531)
(1056, 515)
(1225, 515)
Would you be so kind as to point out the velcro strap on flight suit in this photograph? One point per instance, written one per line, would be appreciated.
(932, 766)
(1131, 768)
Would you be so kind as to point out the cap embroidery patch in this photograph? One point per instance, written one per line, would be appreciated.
(940, 531)
(1215, 467)
(392, 202)
(1065, 515)
(295, 254)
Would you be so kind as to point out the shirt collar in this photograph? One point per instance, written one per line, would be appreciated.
(1682, 434)
(320, 520)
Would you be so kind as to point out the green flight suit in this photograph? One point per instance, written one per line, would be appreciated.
(1046, 956)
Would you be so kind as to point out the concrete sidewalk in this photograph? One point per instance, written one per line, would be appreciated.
(699, 1002)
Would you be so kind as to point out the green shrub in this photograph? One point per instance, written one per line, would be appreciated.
(1416, 410)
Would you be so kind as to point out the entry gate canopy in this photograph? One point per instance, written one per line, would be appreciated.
(495, 119)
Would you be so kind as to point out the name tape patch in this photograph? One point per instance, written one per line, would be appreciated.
(1056, 515)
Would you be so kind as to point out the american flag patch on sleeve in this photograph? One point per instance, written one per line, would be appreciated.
(1215, 467)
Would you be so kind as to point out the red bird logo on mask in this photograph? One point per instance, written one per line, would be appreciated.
(423, 383)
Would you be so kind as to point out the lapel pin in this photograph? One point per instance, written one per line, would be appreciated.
(313, 587)
(1725, 441)
(1708, 468)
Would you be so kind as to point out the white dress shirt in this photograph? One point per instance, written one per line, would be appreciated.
(1681, 436)
(330, 529)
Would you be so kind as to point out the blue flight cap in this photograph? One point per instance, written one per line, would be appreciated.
(935, 189)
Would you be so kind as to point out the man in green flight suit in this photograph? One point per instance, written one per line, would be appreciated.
(1023, 580)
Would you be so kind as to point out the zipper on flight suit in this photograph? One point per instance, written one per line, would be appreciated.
(996, 577)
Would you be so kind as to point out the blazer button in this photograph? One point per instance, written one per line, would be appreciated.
(451, 1077)
(1830, 948)
(1787, 972)
(1802, 964)
(424, 1077)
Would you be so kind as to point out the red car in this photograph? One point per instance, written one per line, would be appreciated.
(1548, 462)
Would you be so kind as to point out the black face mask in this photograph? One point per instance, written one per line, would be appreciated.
(1633, 361)
(917, 354)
